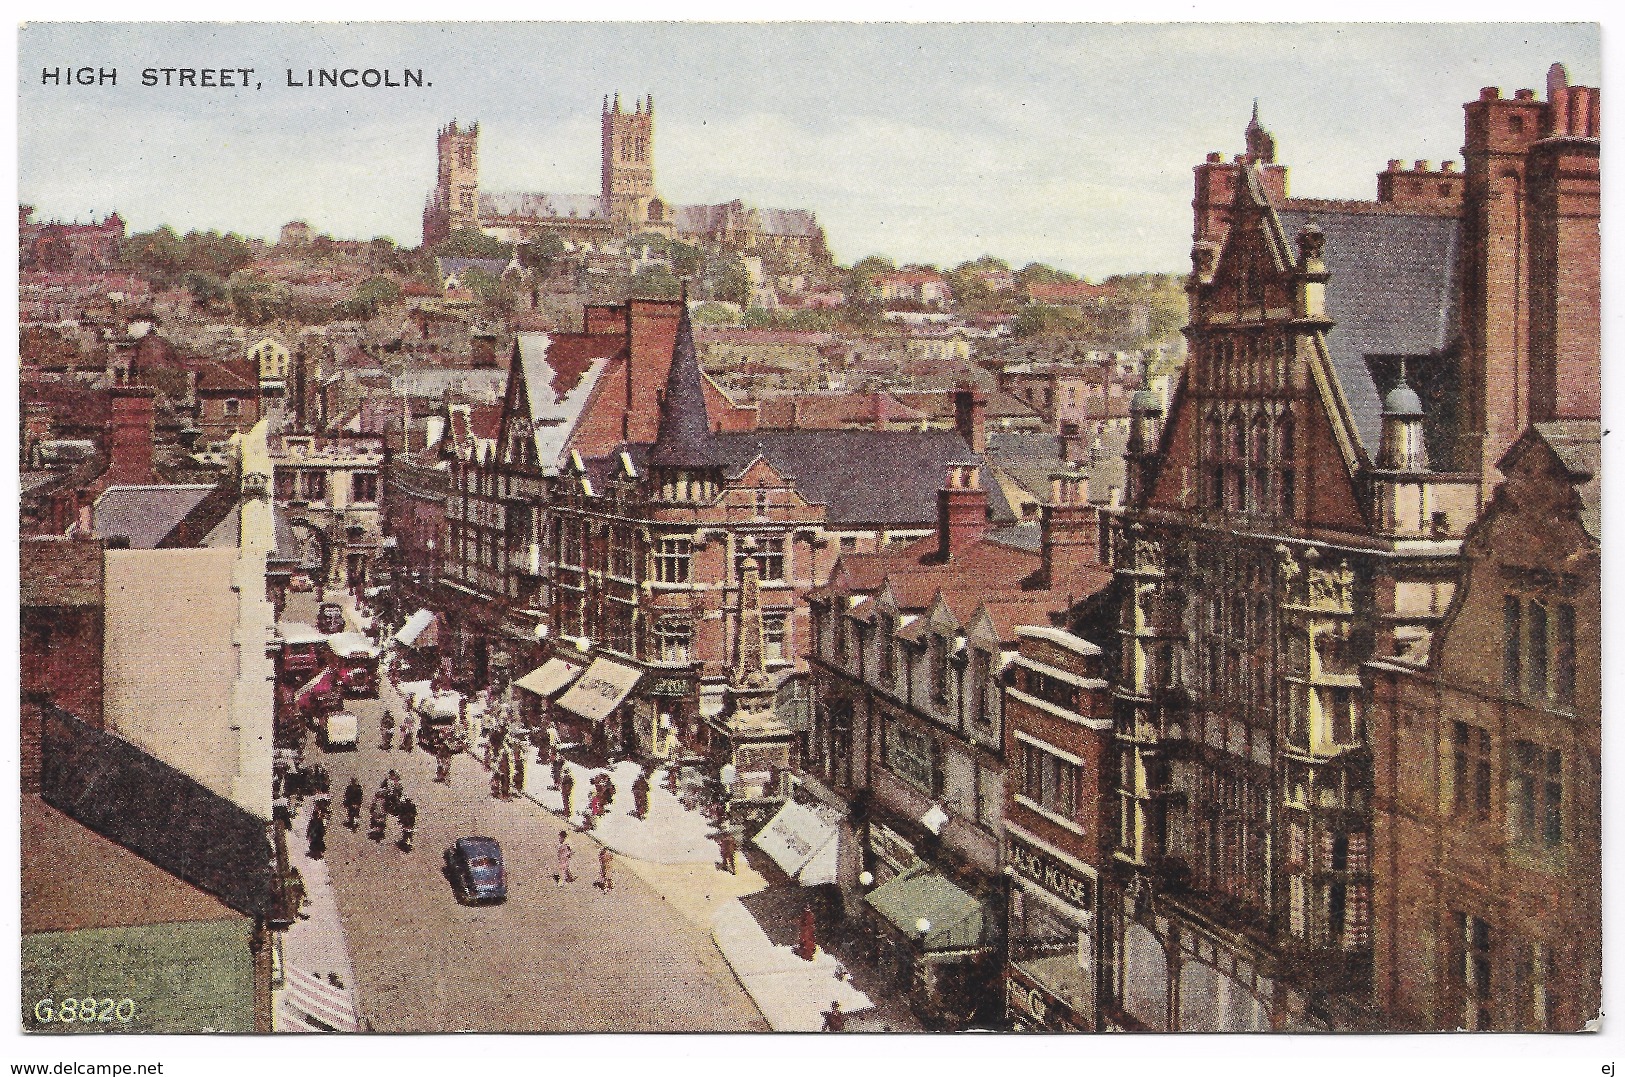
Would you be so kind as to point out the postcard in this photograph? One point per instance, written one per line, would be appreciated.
(809, 527)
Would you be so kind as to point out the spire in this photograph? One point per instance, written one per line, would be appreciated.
(617, 102)
(684, 439)
(1260, 143)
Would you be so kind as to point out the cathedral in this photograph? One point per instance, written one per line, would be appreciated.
(626, 204)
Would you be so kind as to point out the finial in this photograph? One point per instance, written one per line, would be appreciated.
(617, 101)
(1255, 110)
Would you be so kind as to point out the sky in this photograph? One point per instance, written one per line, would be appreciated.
(1070, 144)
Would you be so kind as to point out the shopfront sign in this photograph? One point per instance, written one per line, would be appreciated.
(891, 847)
(1037, 866)
(668, 686)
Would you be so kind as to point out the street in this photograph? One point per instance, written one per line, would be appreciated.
(554, 958)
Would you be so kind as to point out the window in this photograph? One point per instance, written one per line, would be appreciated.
(618, 627)
(911, 755)
(287, 485)
(1535, 795)
(315, 485)
(1050, 781)
(465, 156)
(1563, 674)
(1536, 614)
(1512, 643)
(769, 559)
(775, 637)
(1472, 758)
(888, 646)
(571, 603)
(570, 543)
(1532, 997)
(982, 685)
(364, 486)
(674, 639)
(840, 637)
(1473, 943)
(939, 667)
(849, 544)
(234, 407)
(620, 552)
(761, 501)
(466, 199)
(672, 560)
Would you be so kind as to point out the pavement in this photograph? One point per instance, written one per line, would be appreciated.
(314, 943)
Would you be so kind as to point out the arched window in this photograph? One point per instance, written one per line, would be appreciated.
(1237, 438)
(1285, 449)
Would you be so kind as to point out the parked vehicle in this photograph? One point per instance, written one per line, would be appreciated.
(304, 652)
(320, 695)
(437, 716)
(340, 729)
(357, 657)
(330, 618)
(474, 866)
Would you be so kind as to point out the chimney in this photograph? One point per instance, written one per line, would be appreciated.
(970, 417)
(961, 510)
(483, 350)
(129, 436)
(1069, 528)
(604, 318)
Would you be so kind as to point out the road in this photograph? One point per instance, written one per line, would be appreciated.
(554, 958)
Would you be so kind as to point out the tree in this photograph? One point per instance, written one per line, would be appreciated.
(1037, 320)
(714, 314)
(370, 295)
(207, 289)
(864, 272)
(472, 243)
(1039, 273)
(656, 282)
(726, 278)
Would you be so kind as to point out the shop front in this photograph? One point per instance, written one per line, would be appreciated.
(934, 934)
(1053, 938)
(665, 715)
(535, 696)
(804, 841)
(595, 707)
(417, 644)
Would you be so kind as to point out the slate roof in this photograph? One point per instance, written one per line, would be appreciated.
(1393, 292)
(154, 810)
(788, 222)
(144, 514)
(684, 438)
(228, 532)
(541, 204)
(1577, 444)
(447, 267)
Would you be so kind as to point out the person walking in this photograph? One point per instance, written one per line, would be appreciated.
(834, 1019)
(567, 788)
(564, 854)
(519, 768)
(316, 834)
(504, 773)
(730, 849)
(353, 796)
(640, 794)
(605, 859)
(558, 771)
(552, 741)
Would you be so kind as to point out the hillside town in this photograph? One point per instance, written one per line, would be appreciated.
(824, 646)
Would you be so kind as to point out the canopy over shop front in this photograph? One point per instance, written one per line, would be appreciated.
(957, 920)
(802, 843)
(549, 677)
(352, 645)
(419, 631)
(600, 690)
(296, 632)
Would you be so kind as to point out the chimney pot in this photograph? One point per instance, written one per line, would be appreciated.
(1447, 166)
(1395, 164)
(1490, 93)
(1422, 166)
(1523, 95)
(1215, 158)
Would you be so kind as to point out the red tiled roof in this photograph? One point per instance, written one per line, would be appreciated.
(228, 375)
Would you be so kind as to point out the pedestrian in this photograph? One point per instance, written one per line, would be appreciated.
(504, 773)
(296, 894)
(519, 768)
(729, 850)
(605, 859)
(558, 770)
(834, 1019)
(567, 788)
(552, 740)
(316, 833)
(609, 790)
(640, 795)
(564, 854)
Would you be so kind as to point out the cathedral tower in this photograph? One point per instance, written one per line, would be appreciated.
(456, 199)
(628, 167)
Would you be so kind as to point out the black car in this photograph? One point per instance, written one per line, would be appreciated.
(330, 618)
(474, 866)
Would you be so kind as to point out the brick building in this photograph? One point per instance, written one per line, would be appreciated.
(1486, 814)
(1356, 369)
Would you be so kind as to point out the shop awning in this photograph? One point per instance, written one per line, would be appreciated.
(600, 689)
(418, 631)
(298, 633)
(549, 677)
(922, 894)
(353, 645)
(802, 843)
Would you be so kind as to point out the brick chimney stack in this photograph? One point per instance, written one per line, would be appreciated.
(130, 436)
(1069, 527)
(961, 511)
(970, 417)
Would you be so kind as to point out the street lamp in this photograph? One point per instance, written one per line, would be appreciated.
(923, 926)
(866, 878)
